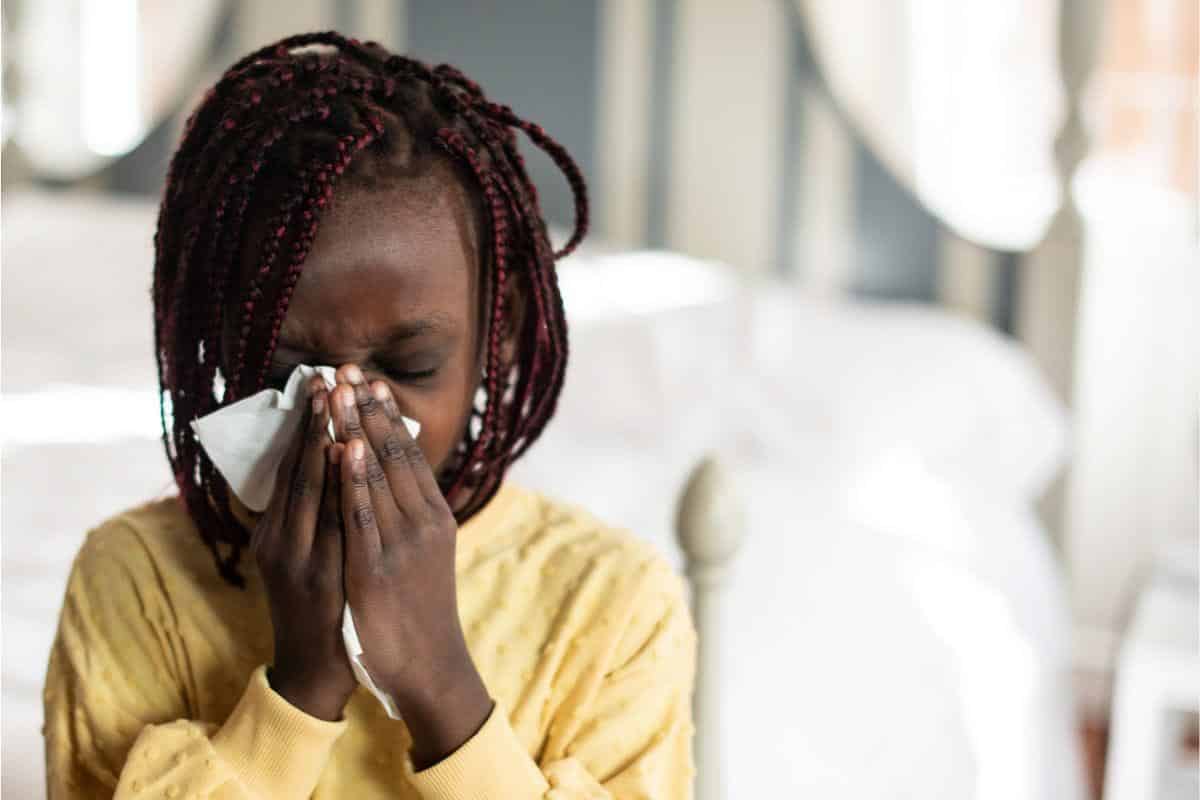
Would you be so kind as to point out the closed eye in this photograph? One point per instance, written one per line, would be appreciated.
(279, 373)
(403, 376)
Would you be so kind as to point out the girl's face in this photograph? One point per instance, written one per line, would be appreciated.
(392, 284)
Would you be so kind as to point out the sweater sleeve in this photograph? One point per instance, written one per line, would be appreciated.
(116, 712)
(627, 737)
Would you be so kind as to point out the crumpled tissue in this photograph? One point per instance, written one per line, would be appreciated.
(247, 442)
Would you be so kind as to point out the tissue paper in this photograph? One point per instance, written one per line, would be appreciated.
(247, 441)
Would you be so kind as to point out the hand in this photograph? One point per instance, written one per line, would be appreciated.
(399, 571)
(297, 544)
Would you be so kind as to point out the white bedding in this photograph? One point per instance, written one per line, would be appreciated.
(895, 622)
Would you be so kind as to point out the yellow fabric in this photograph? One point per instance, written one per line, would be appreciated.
(156, 685)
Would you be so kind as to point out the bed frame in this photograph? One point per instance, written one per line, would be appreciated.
(710, 526)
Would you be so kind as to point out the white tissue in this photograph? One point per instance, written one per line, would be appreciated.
(247, 441)
(354, 650)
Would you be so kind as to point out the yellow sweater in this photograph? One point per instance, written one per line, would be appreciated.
(156, 685)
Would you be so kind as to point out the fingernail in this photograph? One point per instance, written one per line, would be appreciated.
(318, 402)
(354, 375)
(356, 449)
(348, 400)
(381, 391)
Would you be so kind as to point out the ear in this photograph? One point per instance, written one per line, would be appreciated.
(512, 322)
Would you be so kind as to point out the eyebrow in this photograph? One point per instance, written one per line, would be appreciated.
(402, 331)
(411, 329)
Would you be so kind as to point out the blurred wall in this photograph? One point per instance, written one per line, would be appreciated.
(701, 126)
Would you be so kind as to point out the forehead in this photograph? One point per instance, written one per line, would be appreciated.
(381, 257)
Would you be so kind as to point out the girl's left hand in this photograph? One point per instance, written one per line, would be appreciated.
(399, 571)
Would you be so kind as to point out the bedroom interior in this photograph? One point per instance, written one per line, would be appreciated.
(885, 335)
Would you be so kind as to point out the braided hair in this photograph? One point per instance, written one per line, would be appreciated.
(258, 164)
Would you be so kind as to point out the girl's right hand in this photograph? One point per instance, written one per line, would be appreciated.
(297, 544)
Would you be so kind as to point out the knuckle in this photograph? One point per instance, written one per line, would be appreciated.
(314, 431)
(412, 452)
(375, 474)
(364, 516)
(431, 523)
(322, 580)
(301, 486)
(368, 405)
(442, 514)
(381, 567)
(392, 449)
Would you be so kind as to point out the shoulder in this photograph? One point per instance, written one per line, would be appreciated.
(139, 550)
(122, 653)
(569, 535)
(120, 543)
(625, 575)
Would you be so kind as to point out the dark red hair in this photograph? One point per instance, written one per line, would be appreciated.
(259, 162)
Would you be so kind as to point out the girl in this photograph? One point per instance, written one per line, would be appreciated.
(331, 203)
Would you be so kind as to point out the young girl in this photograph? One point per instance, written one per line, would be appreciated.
(331, 203)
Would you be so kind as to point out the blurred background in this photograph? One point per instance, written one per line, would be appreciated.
(921, 274)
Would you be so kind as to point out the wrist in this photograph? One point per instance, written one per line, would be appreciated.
(315, 697)
(448, 678)
(442, 714)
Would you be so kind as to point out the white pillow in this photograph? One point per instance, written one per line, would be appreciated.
(671, 352)
(885, 377)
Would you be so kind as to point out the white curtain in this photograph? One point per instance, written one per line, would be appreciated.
(94, 77)
(960, 99)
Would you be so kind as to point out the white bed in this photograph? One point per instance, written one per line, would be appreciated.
(894, 624)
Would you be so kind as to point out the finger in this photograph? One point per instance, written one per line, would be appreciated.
(363, 544)
(267, 531)
(402, 453)
(308, 481)
(372, 416)
(395, 450)
(327, 542)
(382, 496)
(346, 425)
(267, 527)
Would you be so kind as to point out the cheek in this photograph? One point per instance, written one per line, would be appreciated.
(442, 409)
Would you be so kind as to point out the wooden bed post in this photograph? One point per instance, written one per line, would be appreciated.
(710, 526)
